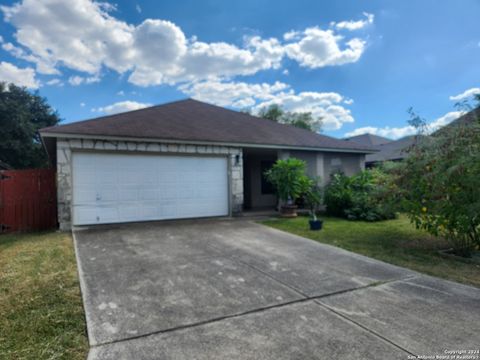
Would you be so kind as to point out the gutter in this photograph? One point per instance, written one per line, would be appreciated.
(190, 142)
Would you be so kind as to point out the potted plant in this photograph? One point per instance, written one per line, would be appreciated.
(289, 179)
(313, 198)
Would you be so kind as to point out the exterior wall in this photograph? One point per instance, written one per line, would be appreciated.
(65, 147)
(323, 164)
(310, 157)
(349, 164)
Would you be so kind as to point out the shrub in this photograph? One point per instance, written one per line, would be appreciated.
(338, 195)
(440, 186)
(358, 197)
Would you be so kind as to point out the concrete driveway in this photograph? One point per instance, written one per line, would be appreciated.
(234, 289)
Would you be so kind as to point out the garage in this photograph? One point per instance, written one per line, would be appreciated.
(114, 188)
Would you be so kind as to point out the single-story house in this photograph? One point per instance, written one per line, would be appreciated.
(397, 150)
(371, 140)
(387, 149)
(184, 159)
(392, 151)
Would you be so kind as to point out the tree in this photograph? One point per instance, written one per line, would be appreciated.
(303, 120)
(468, 104)
(22, 114)
(273, 112)
(440, 187)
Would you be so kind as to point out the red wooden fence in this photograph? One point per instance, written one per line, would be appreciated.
(28, 200)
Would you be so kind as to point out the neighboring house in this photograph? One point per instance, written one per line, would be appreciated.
(370, 140)
(387, 149)
(393, 151)
(390, 150)
(184, 159)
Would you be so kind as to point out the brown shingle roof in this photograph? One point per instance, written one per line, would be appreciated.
(192, 120)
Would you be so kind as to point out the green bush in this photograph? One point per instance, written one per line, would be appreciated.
(289, 179)
(358, 197)
(338, 195)
(440, 186)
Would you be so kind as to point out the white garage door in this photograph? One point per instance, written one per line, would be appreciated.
(112, 188)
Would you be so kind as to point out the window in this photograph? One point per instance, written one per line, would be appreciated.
(266, 187)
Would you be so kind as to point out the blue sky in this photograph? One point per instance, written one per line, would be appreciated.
(357, 64)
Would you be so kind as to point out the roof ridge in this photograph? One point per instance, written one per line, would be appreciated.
(271, 121)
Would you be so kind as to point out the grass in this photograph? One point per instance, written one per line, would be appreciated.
(393, 241)
(41, 313)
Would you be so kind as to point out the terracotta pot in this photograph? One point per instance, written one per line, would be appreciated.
(288, 211)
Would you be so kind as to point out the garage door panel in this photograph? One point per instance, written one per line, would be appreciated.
(85, 196)
(112, 188)
(84, 214)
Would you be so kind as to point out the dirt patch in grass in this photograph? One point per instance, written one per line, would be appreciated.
(393, 241)
(41, 313)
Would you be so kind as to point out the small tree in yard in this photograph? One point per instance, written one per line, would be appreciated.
(440, 186)
(289, 179)
(313, 197)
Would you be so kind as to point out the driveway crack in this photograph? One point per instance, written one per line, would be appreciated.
(365, 328)
(258, 310)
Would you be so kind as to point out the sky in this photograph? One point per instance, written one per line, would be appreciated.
(357, 65)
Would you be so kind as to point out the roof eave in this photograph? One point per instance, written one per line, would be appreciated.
(205, 142)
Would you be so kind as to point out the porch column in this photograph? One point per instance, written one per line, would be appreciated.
(320, 167)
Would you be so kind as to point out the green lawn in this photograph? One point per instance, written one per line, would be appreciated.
(393, 241)
(41, 313)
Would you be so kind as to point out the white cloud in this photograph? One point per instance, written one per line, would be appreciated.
(466, 94)
(318, 48)
(9, 73)
(121, 106)
(399, 132)
(348, 101)
(79, 80)
(325, 105)
(82, 104)
(138, 8)
(80, 34)
(55, 81)
(355, 25)
(84, 36)
(444, 120)
(234, 94)
(121, 93)
(42, 66)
